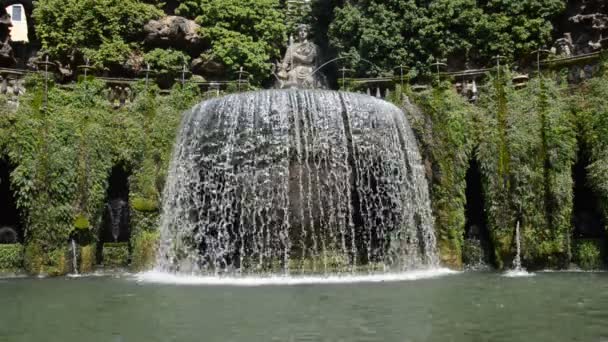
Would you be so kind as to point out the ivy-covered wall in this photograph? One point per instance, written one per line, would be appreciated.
(527, 147)
(526, 142)
(443, 123)
(63, 153)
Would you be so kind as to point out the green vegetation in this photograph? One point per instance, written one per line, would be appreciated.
(145, 245)
(115, 255)
(105, 31)
(242, 33)
(87, 259)
(64, 156)
(525, 140)
(588, 254)
(527, 148)
(444, 129)
(415, 33)
(11, 258)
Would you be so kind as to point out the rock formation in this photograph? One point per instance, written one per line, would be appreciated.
(589, 20)
(173, 31)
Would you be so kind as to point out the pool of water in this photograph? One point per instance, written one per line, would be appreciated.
(457, 307)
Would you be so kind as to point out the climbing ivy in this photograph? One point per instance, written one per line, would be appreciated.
(445, 132)
(64, 153)
(527, 146)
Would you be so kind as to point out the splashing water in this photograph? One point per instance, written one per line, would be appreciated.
(296, 181)
(518, 270)
(74, 257)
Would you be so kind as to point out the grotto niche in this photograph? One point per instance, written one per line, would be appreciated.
(10, 222)
(115, 223)
(587, 216)
(477, 251)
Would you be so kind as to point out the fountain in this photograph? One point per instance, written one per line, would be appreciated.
(296, 181)
(518, 270)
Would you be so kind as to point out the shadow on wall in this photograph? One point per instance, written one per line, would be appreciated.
(589, 243)
(477, 249)
(10, 221)
(587, 214)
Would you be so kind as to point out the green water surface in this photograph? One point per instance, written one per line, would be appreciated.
(461, 307)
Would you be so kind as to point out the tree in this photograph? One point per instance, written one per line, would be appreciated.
(241, 33)
(380, 32)
(105, 31)
(416, 32)
(515, 28)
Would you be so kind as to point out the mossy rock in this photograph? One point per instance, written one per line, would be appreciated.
(33, 258)
(52, 263)
(115, 254)
(449, 255)
(81, 222)
(11, 258)
(87, 259)
(144, 204)
(145, 245)
(589, 254)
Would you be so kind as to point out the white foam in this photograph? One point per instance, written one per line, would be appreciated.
(521, 273)
(179, 279)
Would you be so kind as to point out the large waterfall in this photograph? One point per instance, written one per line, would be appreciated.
(296, 181)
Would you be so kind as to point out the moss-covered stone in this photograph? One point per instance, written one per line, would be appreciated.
(145, 245)
(115, 254)
(87, 259)
(52, 263)
(56, 262)
(11, 258)
(144, 204)
(444, 127)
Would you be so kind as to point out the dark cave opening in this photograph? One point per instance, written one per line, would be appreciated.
(587, 215)
(115, 226)
(10, 220)
(478, 245)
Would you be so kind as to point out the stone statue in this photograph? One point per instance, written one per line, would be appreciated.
(300, 63)
(563, 47)
(7, 57)
(117, 211)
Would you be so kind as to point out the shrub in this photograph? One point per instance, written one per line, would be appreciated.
(115, 254)
(588, 255)
(145, 245)
(11, 257)
(87, 259)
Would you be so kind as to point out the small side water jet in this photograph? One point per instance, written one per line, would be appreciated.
(518, 270)
(74, 258)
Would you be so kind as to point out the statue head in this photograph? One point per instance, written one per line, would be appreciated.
(303, 31)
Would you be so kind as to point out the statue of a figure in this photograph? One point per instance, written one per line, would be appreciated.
(564, 47)
(300, 63)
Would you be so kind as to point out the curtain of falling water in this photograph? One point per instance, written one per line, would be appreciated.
(296, 181)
